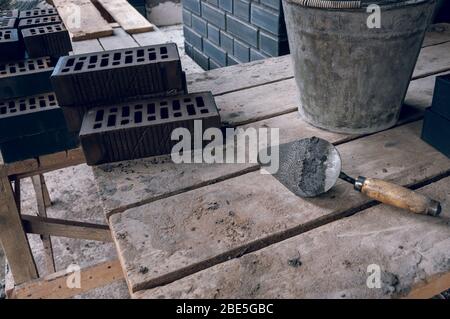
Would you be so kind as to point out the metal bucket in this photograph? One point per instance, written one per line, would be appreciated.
(352, 78)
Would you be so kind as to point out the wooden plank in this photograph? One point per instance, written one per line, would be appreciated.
(182, 234)
(13, 238)
(46, 194)
(66, 228)
(126, 15)
(119, 40)
(20, 167)
(432, 59)
(55, 286)
(151, 182)
(38, 182)
(437, 33)
(53, 162)
(82, 19)
(412, 251)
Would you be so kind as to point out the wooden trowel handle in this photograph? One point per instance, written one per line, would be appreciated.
(397, 196)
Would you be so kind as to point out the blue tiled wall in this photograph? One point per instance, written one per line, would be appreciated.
(226, 32)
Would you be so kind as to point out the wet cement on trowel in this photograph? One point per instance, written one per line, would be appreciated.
(303, 166)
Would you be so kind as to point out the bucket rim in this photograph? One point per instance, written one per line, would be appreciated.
(355, 5)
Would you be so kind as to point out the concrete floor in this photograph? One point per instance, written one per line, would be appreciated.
(74, 197)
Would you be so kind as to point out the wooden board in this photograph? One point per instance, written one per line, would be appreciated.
(55, 286)
(412, 251)
(12, 236)
(130, 183)
(242, 76)
(437, 33)
(127, 16)
(82, 19)
(182, 234)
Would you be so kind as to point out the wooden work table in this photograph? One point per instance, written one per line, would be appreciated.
(226, 230)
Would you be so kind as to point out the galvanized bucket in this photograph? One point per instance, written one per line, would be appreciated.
(352, 76)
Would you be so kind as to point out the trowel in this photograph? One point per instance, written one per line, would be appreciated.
(312, 166)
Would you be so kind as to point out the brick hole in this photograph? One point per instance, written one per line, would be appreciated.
(126, 111)
(152, 56)
(78, 66)
(138, 117)
(140, 53)
(138, 107)
(163, 50)
(65, 70)
(83, 58)
(3, 110)
(204, 111)
(105, 55)
(93, 59)
(42, 104)
(128, 59)
(200, 102)
(111, 120)
(11, 105)
(190, 109)
(91, 66)
(164, 113)
(104, 62)
(99, 115)
(177, 114)
(124, 122)
(13, 111)
(140, 60)
(151, 118)
(151, 108)
(12, 69)
(187, 100)
(97, 125)
(117, 56)
(70, 62)
(176, 105)
(51, 97)
(32, 107)
(22, 106)
(128, 52)
(164, 57)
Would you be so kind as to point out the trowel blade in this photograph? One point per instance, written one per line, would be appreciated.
(308, 167)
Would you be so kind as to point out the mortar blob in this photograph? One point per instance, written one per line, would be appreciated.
(308, 167)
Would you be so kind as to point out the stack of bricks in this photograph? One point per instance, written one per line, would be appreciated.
(436, 124)
(219, 33)
(125, 103)
(31, 122)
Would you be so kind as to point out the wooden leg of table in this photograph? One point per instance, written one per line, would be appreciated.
(47, 199)
(13, 238)
(42, 212)
(17, 194)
